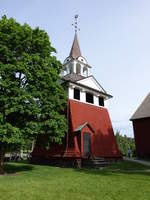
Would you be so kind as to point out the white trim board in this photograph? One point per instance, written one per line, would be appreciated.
(91, 82)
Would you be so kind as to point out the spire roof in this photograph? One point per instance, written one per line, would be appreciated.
(75, 50)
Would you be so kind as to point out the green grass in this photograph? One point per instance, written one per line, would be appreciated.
(122, 181)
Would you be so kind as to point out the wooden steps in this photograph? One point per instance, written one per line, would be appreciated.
(96, 162)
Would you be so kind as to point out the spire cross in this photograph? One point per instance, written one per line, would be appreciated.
(76, 24)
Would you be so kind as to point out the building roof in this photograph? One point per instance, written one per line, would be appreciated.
(80, 127)
(143, 111)
(73, 77)
(75, 50)
(98, 118)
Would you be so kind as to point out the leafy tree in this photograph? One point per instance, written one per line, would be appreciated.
(32, 100)
(124, 143)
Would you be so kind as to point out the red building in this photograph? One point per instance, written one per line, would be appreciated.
(90, 133)
(141, 126)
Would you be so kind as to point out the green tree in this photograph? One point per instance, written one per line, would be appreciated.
(124, 143)
(32, 100)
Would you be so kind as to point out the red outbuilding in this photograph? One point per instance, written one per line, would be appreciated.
(90, 134)
(141, 126)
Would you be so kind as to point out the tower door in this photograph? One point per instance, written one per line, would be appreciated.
(86, 144)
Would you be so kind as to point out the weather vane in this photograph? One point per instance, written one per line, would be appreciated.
(76, 24)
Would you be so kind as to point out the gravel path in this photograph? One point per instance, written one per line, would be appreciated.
(147, 163)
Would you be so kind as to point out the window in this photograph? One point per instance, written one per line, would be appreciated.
(65, 71)
(71, 68)
(89, 98)
(85, 71)
(76, 94)
(78, 69)
(101, 101)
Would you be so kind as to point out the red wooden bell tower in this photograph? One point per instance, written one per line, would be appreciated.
(90, 133)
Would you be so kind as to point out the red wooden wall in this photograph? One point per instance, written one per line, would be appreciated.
(142, 136)
(104, 142)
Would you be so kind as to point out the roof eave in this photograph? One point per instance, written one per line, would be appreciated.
(138, 118)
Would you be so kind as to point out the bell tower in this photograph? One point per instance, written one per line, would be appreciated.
(80, 84)
(90, 134)
(75, 63)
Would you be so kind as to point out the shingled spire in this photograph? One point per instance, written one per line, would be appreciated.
(75, 50)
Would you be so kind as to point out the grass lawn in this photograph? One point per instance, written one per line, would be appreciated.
(122, 181)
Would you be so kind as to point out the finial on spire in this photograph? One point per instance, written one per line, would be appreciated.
(76, 23)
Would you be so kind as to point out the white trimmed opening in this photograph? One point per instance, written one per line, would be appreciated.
(78, 68)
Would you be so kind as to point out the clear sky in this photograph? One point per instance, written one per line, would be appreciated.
(114, 38)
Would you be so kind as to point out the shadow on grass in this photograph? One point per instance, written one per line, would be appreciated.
(121, 167)
(12, 168)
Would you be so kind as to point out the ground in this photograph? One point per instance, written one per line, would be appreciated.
(122, 181)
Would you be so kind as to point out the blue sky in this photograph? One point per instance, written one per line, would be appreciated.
(114, 38)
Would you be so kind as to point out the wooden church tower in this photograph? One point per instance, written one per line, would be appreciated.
(90, 134)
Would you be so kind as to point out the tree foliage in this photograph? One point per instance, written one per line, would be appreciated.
(125, 143)
(32, 99)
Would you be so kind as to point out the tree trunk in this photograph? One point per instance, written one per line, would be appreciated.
(33, 145)
(2, 155)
